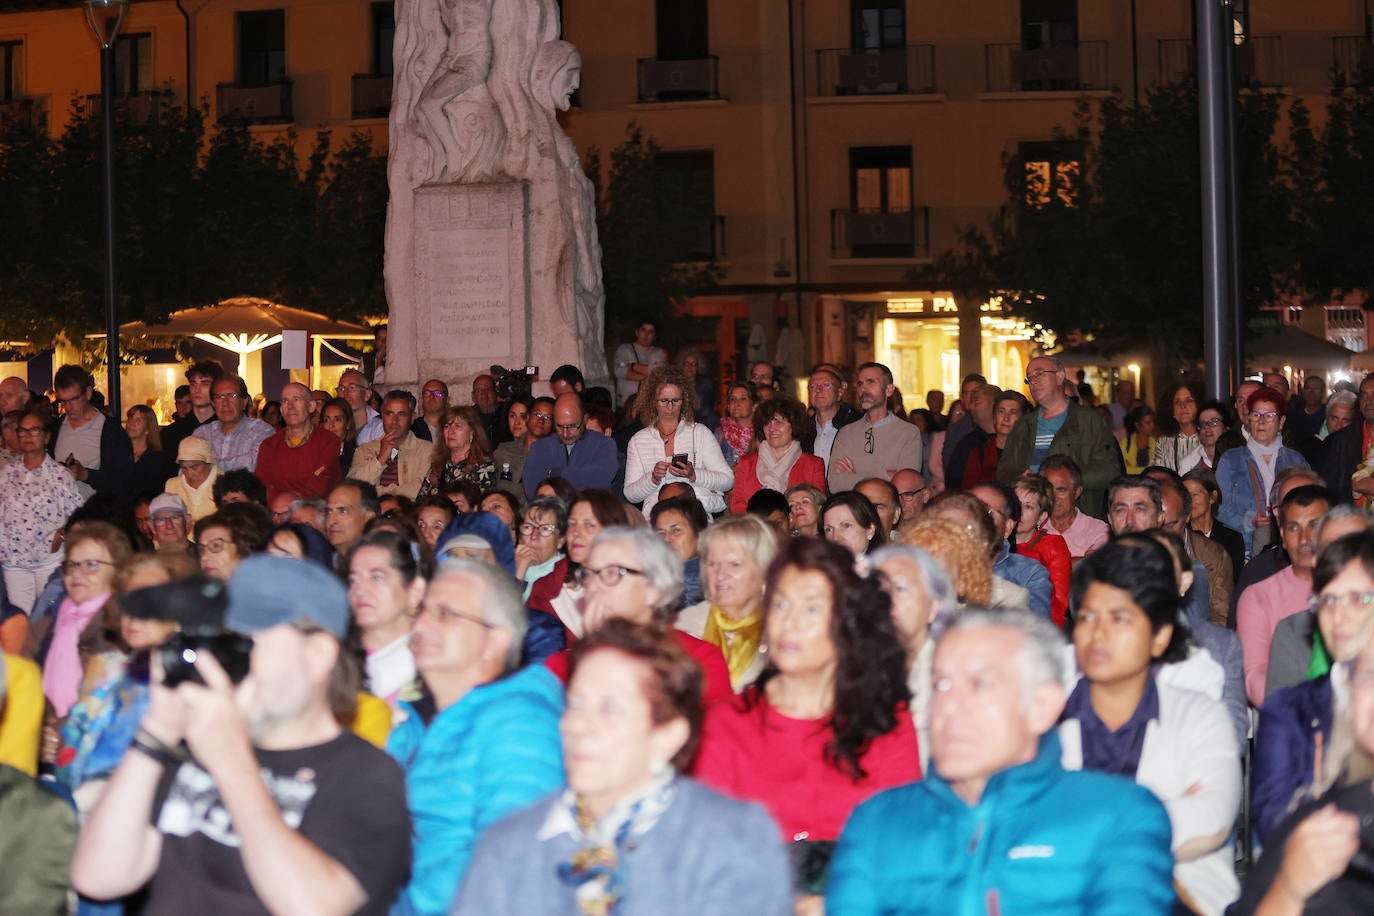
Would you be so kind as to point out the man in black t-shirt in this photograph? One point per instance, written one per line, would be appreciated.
(269, 804)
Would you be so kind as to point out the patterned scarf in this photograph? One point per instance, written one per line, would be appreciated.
(775, 466)
(739, 435)
(738, 640)
(596, 869)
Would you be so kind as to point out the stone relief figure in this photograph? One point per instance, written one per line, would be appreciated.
(556, 75)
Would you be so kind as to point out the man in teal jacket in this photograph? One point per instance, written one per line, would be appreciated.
(484, 741)
(998, 825)
(1058, 426)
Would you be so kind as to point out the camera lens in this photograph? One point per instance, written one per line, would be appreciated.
(188, 655)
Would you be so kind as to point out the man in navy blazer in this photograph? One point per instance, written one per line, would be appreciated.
(585, 460)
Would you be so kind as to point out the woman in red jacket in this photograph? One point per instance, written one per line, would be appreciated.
(825, 726)
(777, 462)
(1049, 549)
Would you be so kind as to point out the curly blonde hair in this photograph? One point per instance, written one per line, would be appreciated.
(646, 403)
(960, 554)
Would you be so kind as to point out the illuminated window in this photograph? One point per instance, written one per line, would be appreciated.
(1053, 173)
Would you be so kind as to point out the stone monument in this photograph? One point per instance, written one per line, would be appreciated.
(492, 254)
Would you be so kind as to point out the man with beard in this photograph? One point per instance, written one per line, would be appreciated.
(880, 444)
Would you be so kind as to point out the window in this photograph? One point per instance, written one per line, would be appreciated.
(1049, 24)
(262, 47)
(880, 224)
(1053, 173)
(133, 64)
(880, 179)
(682, 30)
(879, 25)
(687, 200)
(383, 37)
(11, 54)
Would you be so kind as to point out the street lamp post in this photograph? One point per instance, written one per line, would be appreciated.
(105, 17)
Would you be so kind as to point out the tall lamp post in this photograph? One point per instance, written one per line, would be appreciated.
(105, 17)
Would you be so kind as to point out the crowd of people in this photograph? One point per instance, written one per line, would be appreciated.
(376, 651)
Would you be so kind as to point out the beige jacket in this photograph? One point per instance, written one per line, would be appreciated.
(412, 465)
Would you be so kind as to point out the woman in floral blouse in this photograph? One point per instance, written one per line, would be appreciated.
(36, 496)
(464, 453)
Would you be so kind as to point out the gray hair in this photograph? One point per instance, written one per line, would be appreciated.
(1042, 646)
(547, 504)
(1289, 473)
(1347, 398)
(661, 567)
(938, 587)
(1342, 511)
(503, 607)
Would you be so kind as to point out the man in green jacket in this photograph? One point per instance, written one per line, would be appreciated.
(1058, 426)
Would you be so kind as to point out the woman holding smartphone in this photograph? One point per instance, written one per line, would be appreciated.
(673, 447)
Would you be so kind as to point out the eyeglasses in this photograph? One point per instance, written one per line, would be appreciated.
(1267, 416)
(214, 547)
(868, 442)
(1033, 376)
(434, 393)
(910, 494)
(610, 576)
(75, 399)
(537, 531)
(227, 396)
(29, 430)
(669, 402)
(568, 427)
(90, 566)
(1328, 601)
(1211, 424)
(352, 387)
(546, 417)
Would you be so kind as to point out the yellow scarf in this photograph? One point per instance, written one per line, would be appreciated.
(738, 639)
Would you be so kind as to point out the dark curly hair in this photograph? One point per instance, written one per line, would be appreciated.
(1142, 567)
(870, 672)
(792, 411)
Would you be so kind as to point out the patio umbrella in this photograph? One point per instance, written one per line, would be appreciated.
(1291, 346)
(245, 325)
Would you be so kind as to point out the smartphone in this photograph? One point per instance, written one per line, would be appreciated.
(679, 460)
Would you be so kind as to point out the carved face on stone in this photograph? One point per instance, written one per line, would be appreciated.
(557, 74)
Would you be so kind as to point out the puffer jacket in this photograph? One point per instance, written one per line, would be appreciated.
(493, 752)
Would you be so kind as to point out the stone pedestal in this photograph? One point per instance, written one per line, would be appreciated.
(470, 291)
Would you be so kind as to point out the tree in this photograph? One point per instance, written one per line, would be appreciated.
(1109, 242)
(201, 216)
(645, 236)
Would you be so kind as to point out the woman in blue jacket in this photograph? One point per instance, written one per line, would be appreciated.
(1246, 475)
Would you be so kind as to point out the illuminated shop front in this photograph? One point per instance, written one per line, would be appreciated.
(918, 337)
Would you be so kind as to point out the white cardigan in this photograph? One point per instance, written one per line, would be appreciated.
(1192, 743)
(645, 450)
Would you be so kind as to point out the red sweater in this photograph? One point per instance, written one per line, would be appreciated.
(762, 756)
(807, 469)
(311, 469)
(716, 685)
(1052, 552)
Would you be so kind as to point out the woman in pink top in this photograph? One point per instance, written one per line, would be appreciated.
(825, 725)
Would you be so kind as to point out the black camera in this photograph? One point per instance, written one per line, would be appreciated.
(180, 651)
(512, 383)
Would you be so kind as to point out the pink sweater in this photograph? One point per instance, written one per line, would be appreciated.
(1258, 612)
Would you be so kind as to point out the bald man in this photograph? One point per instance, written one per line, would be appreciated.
(586, 460)
(14, 394)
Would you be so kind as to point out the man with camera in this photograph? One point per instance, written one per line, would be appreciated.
(240, 798)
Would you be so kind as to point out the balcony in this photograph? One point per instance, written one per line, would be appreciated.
(140, 109)
(267, 103)
(20, 113)
(1011, 68)
(1259, 61)
(371, 95)
(1352, 58)
(856, 234)
(678, 80)
(902, 71)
